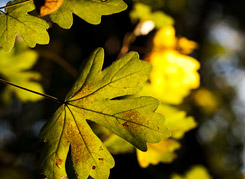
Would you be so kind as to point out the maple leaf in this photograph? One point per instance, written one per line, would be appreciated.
(159, 152)
(15, 66)
(89, 10)
(16, 20)
(99, 96)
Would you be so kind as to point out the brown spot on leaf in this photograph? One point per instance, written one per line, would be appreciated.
(71, 136)
(93, 167)
(58, 162)
(158, 128)
(125, 124)
(101, 159)
(101, 148)
(132, 115)
(136, 118)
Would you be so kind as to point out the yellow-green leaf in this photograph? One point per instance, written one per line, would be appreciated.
(89, 10)
(143, 13)
(99, 96)
(16, 20)
(117, 145)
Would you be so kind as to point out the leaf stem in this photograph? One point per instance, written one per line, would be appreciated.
(45, 95)
(2, 12)
(12, 5)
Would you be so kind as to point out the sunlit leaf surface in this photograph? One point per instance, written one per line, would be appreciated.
(16, 20)
(89, 10)
(97, 96)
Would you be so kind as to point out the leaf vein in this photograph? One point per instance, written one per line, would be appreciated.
(85, 143)
(109, 83)
(126, 120)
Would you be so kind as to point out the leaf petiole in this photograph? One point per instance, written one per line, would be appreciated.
(45, 95)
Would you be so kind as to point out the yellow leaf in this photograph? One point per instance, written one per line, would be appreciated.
(159, 152)
(196, 172)
(186, 46)
(165, 40)
(176, 121)
(173, 75)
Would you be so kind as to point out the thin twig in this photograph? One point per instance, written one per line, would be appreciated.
(63, 63)
(129, 38)
(20, 87)
(127, 41)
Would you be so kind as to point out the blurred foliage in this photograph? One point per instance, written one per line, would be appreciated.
(176, 120)
(143, 13)
(156, 153)
(195, 172)
(206, 100)
(173, 74)
(15, 67)
(151, 3)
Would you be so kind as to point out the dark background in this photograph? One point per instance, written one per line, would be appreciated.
(199, 20)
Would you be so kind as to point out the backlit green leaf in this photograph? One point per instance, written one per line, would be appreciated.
(89, 10)
(99, 96)
(15, 67)
(16, 20)
(143, 13)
